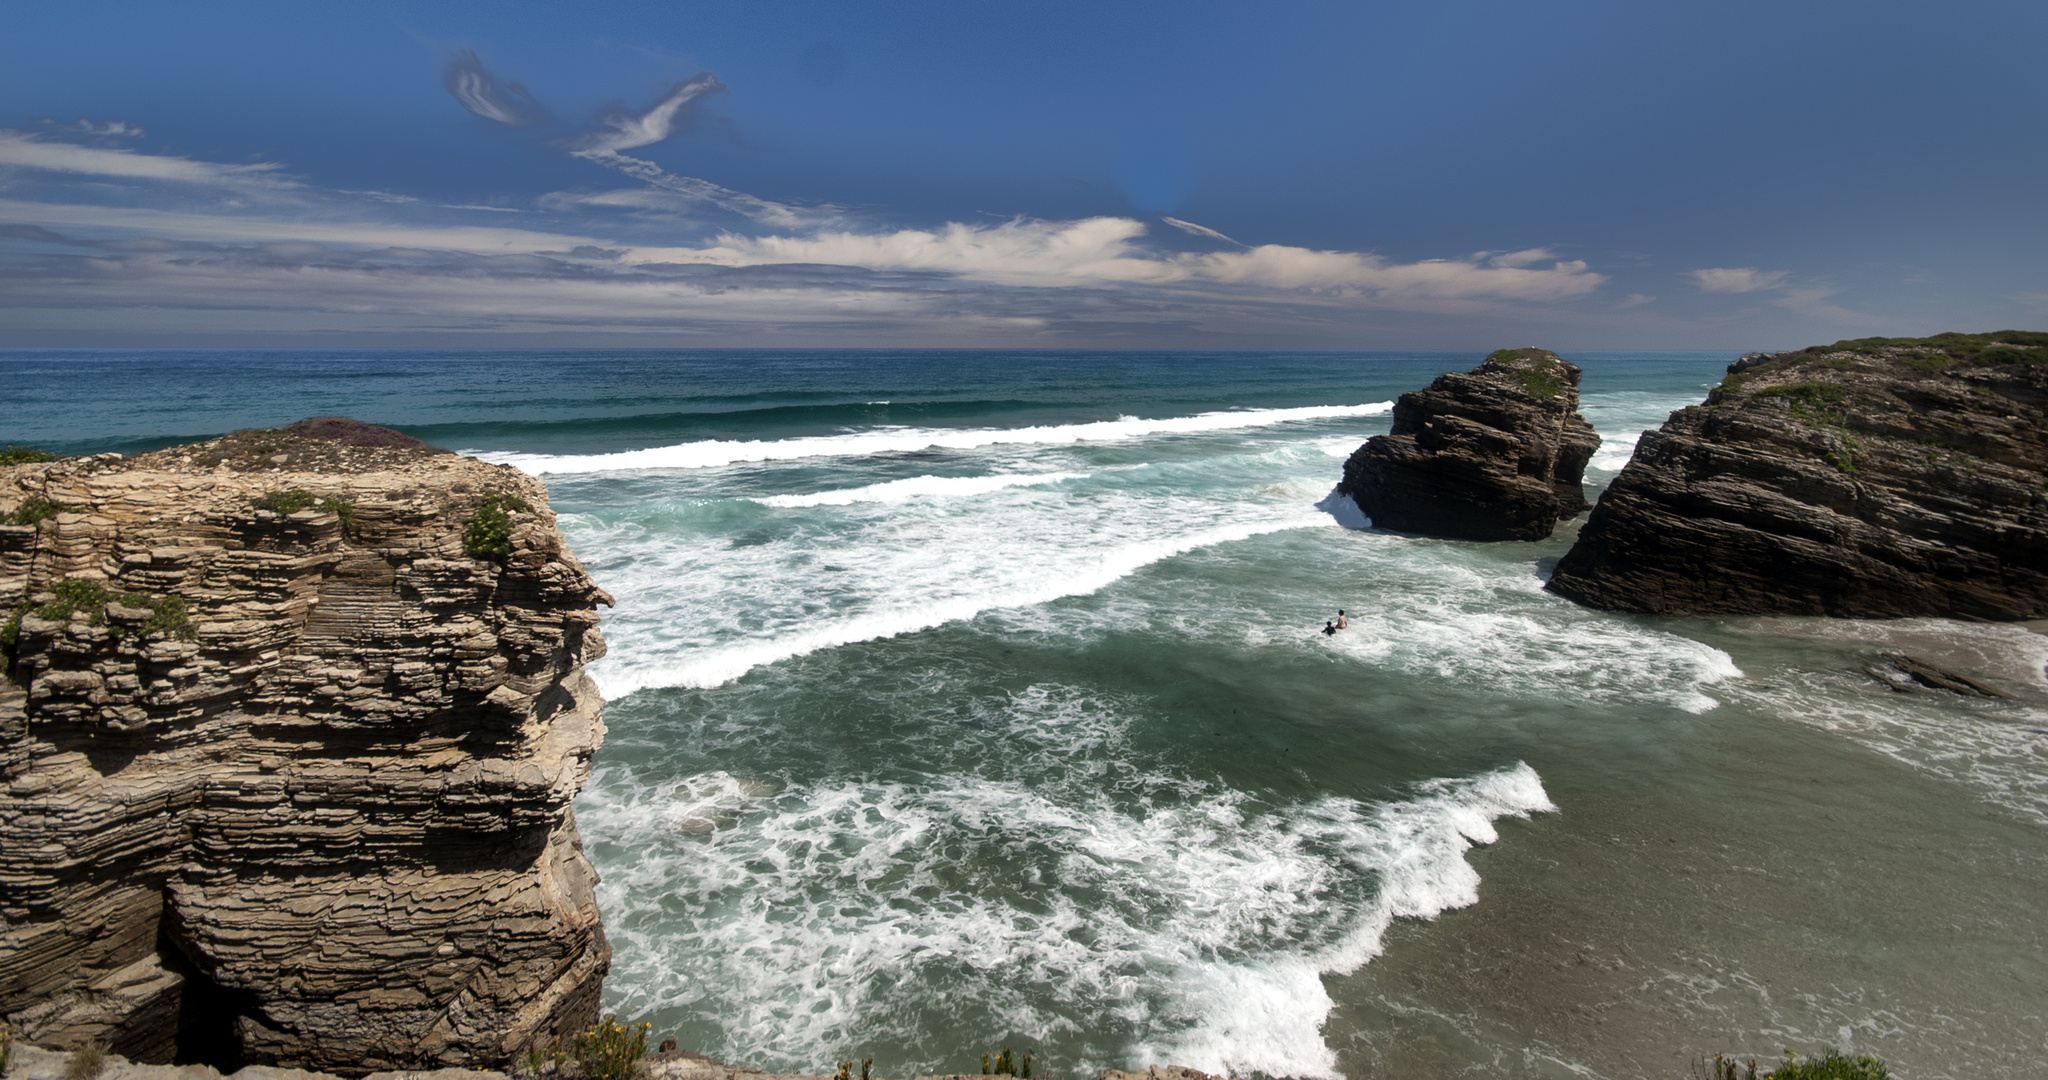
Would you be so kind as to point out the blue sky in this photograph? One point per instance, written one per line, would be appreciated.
(1141, 175)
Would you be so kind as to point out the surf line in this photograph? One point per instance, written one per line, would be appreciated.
(710, 453)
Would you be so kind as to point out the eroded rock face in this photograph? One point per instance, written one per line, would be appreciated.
(1496, 453)
(296, 789)
(1868, 479)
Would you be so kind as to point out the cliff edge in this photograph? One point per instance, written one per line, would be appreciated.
(1874, 478)
(1495, 453)
(289, 730)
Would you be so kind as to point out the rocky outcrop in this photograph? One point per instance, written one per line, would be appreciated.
(1871, 479)
(1496, 453)
(289, 732)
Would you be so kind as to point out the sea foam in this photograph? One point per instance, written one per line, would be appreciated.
(1045, 898)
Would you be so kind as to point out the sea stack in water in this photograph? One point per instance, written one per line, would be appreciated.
(1868, 479)
(290, 726)
(1496, 453)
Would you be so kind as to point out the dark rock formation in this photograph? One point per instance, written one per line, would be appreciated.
(1914, 673)
(287, 769)
(1496, 453)
(1871, 479)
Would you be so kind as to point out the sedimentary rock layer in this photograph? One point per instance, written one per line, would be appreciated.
(1873, 478)
(1496, 453)
(291, 785)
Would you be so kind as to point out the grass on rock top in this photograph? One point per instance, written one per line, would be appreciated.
(1535, 369)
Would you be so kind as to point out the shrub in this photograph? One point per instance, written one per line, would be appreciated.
(1005, 1065)
(289, 501)
(35, 508)
(1808, 394)
(1830, 1065)
(346, 511)
(489, 532)
(611, 1050)
(24, 455)
(85, 1062)
(168, 615)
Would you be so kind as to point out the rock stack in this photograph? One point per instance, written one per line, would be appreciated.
(1867, 479)
(1496, 453)
(289, 730)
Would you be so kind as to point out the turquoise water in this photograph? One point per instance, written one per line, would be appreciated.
(961, 699)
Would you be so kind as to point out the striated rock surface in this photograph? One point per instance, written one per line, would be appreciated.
(1496, 453)
(1871, 479)
(290, 785)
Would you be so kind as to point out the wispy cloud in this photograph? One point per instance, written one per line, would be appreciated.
(107, 129)
(1193, 229)
(480, 92)
(1736, 279)
(674, 114)
(24, 150)
(1805, 299)
(510, 104)
(1812, 301)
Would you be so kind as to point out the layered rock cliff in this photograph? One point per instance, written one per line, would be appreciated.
(1496, 453)
(1871, 478)
(289, 732)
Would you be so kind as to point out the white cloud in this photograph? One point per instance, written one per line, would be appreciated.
(1813, 302)
(1739, 279)
(1104, 250)
(669, 116)
(24, 150)
(1634, 300)
(384, 260)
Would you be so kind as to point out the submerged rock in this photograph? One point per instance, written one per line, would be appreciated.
(1874, 478)
(289, 731)
(1496, 453)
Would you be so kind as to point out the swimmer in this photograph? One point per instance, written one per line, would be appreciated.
(1342, 622)
(1328, 628)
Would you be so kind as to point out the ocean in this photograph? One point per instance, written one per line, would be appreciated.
(964, 699)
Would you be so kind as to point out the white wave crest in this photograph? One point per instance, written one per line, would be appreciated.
(711, 453)
(931, 590)
(920, 486)
(1615, 452)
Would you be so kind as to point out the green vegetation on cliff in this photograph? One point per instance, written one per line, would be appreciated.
(1829, 1065)
(1937, 352)
(24, 455)
(488, 535)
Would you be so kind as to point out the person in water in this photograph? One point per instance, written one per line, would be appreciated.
(1342, 622)
(1328, 628)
